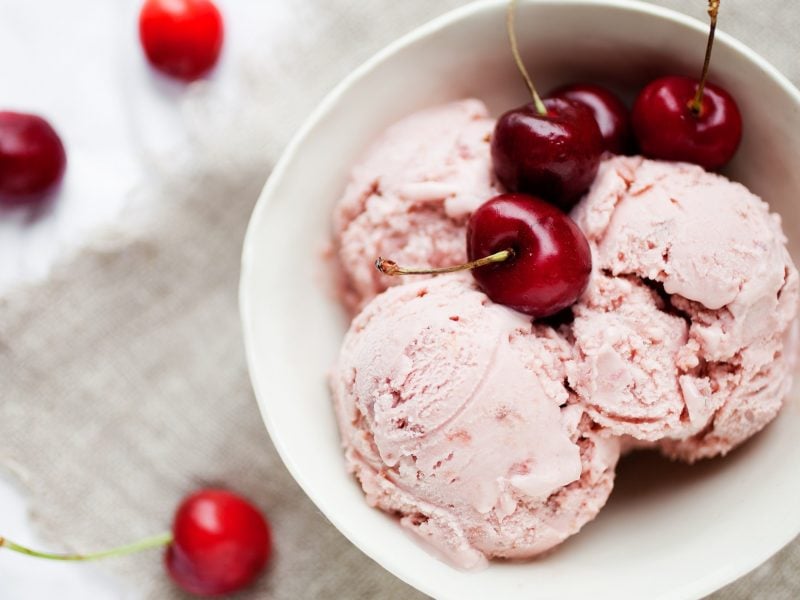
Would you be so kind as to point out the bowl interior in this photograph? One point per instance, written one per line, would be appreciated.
(668, 531)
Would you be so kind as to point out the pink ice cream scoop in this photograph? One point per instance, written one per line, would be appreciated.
(454, 415)
(410, 196)
(682, 335)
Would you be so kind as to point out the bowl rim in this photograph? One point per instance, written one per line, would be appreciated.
(700, 587)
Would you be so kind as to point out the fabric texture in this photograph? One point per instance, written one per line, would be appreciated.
(123, 383)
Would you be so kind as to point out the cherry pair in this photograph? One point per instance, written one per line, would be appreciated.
(553, 147)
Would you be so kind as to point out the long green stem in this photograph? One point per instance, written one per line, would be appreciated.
(389, 267)
(696, 105)
(512, 36)
(156, 541)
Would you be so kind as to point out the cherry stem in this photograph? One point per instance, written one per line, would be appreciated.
(512, 36)
(696, 105)
(156, 541)
(389, 267)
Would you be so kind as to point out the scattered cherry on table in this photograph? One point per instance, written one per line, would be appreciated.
(612, 116)
(32, 158)
(219, 543)
(684, 119)
(181, 38)
(549, 148)
(524, 253)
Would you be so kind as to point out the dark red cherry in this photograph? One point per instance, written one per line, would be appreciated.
(551, 260)
(181, 38)
(220, 543)
(554, 155)
(667, 128)
(32, 158)
(611, 114)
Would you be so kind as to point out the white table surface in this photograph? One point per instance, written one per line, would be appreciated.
(79, 64)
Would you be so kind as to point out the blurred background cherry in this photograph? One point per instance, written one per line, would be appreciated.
(181, 38)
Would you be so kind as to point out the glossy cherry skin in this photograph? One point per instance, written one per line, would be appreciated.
(612, 116)
(32, 158)
(552, 262)
(666, 128)
(221, 543)
(181, 38)
(554, 156)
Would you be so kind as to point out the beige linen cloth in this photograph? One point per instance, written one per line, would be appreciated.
(123, 383)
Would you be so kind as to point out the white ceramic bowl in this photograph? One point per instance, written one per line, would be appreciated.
(668, 532)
